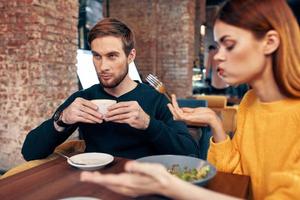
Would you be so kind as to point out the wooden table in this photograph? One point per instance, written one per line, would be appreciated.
(56, 179)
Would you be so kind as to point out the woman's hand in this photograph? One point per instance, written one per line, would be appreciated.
(198, 116)
(148, 178)
(139, 179)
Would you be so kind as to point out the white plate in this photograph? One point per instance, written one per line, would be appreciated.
(80, 198)
(183, 161)
(91, 161)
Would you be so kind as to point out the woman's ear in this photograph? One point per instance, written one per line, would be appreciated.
(131, 56)
(272, 41)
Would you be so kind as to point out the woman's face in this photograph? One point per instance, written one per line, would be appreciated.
(240, 56)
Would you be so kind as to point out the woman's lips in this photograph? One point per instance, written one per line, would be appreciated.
(220, 71)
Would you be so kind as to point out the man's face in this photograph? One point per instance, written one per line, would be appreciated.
(110, 60)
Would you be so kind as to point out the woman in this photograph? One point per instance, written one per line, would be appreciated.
(217, 84)
(258, 45)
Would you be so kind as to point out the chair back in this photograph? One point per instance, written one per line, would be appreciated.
(228, 117)
(213, 101)
(192, 103)
(68, 147)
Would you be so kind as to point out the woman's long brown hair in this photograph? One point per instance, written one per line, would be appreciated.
(261, 16)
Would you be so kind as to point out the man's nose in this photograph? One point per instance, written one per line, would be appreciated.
(103, 65)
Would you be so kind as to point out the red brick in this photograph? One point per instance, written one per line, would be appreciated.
(165, 38)
(34, 49)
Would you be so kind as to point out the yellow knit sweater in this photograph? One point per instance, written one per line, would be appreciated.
(266, 146)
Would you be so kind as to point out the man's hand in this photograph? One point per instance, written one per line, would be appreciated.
(81, 110)
(129, 112)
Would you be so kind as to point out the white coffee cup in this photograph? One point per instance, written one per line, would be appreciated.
(103, 104)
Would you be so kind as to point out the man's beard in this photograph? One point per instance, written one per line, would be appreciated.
(116, 81)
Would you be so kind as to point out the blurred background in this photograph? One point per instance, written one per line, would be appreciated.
(40, 41)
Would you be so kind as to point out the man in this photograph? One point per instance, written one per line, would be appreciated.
(140, 124)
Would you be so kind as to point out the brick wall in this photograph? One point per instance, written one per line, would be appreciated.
(211, 13)
(38, 43)
(165, 34)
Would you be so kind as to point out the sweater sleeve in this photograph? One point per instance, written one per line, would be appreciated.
(41, 141)
(225, 156)
(285, 184)
(169, 136)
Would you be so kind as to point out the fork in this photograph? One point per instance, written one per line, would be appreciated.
(158, 85)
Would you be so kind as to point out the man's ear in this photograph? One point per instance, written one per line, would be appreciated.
(131, 56)
(271, 42)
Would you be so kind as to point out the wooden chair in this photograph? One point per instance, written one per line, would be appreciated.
(70, 146)
(215, 102)
(228, 116)
(218, 103)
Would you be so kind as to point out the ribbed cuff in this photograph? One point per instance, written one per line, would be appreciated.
(154, 129)
(221, 149)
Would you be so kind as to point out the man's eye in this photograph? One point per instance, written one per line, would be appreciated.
(112, 56)
(97, 57)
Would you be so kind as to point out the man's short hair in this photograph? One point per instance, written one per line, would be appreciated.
(113, 27)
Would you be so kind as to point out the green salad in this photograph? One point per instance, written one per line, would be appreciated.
(188, 174)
